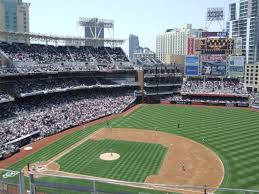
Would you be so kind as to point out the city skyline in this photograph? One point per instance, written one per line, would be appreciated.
(142, 18)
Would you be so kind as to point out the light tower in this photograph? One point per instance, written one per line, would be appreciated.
(215, 15)
(94, 29)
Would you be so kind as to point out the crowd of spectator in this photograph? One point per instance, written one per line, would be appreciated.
(226, 86)
(40, 86)
(117, 54)
(148, 61)
(37, 58)
(52, 114)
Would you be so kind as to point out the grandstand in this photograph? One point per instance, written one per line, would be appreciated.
(161, 81)
(45, 89)
(37, 58)
(212, 91)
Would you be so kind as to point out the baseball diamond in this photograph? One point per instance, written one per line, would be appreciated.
(81, 115)
(158, 123)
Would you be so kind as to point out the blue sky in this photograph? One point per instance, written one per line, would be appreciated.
(145, 18)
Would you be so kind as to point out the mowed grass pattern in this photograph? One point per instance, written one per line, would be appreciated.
(232, 133)
(53, 149)
(138, 160)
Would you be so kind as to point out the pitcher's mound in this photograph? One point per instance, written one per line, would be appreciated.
(109, 156)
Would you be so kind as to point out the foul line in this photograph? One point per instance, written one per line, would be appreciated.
(74, 146)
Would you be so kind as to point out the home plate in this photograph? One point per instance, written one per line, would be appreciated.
(27, 148)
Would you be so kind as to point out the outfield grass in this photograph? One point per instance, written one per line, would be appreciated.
(53, 149)
(138, 160)
(232, 133)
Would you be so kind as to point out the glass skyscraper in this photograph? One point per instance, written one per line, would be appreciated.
(14, 16)
(244, 22)
(133, 45)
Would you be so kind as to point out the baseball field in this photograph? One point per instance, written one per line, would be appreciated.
(215, 144)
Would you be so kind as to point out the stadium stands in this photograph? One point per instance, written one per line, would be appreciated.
(52, 114)
(36, 58)
(44, 86)
(117, 54)
(225, 86)
(148, 61)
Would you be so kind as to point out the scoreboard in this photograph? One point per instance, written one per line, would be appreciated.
(214, 45)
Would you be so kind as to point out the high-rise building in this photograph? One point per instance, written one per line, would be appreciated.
(175, 41)
(133, 45)
(252, 77)
(14, 16)
(244, 22)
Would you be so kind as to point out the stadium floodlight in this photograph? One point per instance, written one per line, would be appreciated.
(95, 27)
(215, 14)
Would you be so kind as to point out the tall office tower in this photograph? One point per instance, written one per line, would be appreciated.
(14, 16)
(175, 41)
(133, 45)
(244, 22)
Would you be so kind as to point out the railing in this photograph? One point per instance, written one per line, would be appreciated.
(13, 182)
(102, 185)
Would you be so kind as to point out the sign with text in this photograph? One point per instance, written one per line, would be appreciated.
(214, 34)
(191, 66)
(236, 65)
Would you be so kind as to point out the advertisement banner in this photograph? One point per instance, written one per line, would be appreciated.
(214, 68)
(236, 66)
(190, 46)
(213, 58)
(192, 70)
(214, 34)
(191, 66)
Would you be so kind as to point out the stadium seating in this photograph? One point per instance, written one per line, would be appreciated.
(52, 114)
(36, 58)
(226, 86)
(44, 86)
(148, 61)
